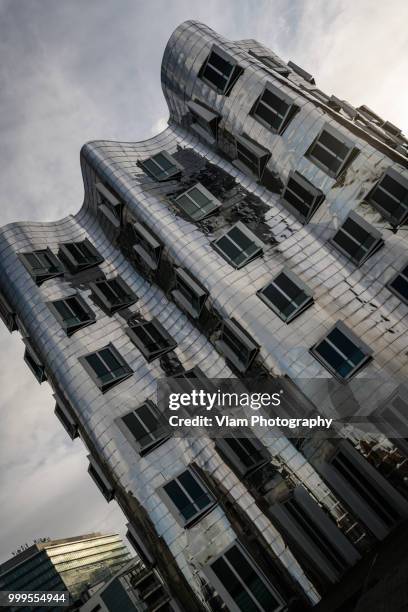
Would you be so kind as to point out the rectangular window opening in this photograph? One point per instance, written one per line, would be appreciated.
(236, 345)
(189, 294)
(113, 294)
(331, 151)
(150, 338)
(188, 497)
(42, 264)
(250, 156)
(399, 285)
(300, 197)
(220, 71)
(287, 296)
(145, 428)
(109, 204)
(162, 167)
(274, 109)
(204, 121)
(147, 246)
(390, 197)
(357, 239)
(197, 202)
(78, 256)
(106, 367)
(72, 312)
(238, 245)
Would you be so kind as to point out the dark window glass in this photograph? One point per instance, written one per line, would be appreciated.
(188, 495)
(340, 353)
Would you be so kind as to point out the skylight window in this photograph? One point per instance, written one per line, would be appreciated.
(188, 294)
(204, 121)
(42, 264)
(220, 71)
(162, 166)
(147, 246)
(78, 256)
(110, 206)
(113, 294)
(274, 109)
(197, 202)
(237, 345)
(331, 151)
(239, 245)
(151, 338)
(187, 497)
(357, 239)
(250, 156)
(144, 428)
(73, 313)
(390, 197)
(246, 454)
(399, 284)
(341, 352)
(287, 295)
(106, 367)
(300, 197)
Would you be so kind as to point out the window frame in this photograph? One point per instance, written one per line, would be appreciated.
(204, 121)
(166, 175)
(339, 136)
(41, 277)
(404, 277)
(359, 344)
(105, 386)
(366, 227)
(248, 234)
(72, 328)
(71, 263)
(141, 448)
(187, 282)
(200, 513)
(290, 112)
(146, 244)
(207, 194)
(34, 361)
(317, 195)
(293, 278)
(225, 595)
(65, 417)
(242, 337)
(399, 178)
(262, 154)
(150, 355)
(96, 473)
(230, 80)
(222, 445)
(110, 206)
(103, 301)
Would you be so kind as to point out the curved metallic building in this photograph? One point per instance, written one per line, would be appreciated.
(262, 232)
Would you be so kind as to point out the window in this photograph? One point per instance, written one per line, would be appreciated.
(72, 313)
(139, 544)
(162, 167)
(197, 202)
(245, 454)
(301, 197)
(99, 478)
(390, 197)
(331, 151)
(147, 247)
(78, 256)
(287, 296)
(65, 418)
(238, 245)
(220, 71)
(204, 121)
(274, 109)
(113, 294)
(306, 76)
(271, 62)
(7, 314)
(237, 345)
(188, 294)
(250, 156)
(144, 428)
(341, 352)
(187, 497)
(34, 362)
(393, 418)
(42, 265)
(241, 584)
(106, 367)
(399, 285)
(357, 239)
(151, 338)
(109, 205)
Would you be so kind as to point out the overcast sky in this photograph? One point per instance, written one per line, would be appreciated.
(79, 70)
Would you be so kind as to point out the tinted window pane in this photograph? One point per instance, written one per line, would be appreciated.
(251, 579)
(179, 499)
(234, 587)
(220, 64)
(400, 285)
(110, 359)
(346, 346)
(97, 365)
(191, 485)
(134, 426)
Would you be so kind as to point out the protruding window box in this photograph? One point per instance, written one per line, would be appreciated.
(357, 239)
(162, 167)
(139, 545)
(188, 294)
(241, 584)
(78, 256)
(113, 294)
(204, 121)
(300, 197)
(306, 76)
(109, 205)
(187, 497)
(34, 362)
(73, 313)
(197, 202)
(250, 157)
(220, 71)
(65, 418)
(106, 367)
(331, 151)
(272, 63)
(7, 314)
(144, 428)
(274, 109)
(244, 453)
(238, 245)
(147, 247)
(42, 264)
(151, 338)
(99, 478)
(399, 285)
(237, 345)
(342, 352)
(390, 197)
(287, 295)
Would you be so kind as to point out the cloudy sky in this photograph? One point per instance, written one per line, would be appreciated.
(79, 70)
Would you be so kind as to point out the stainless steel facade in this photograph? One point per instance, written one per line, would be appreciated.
(358, 296)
